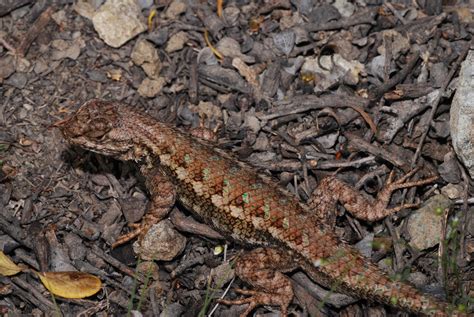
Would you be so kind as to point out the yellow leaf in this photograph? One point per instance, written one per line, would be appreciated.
(70, 284)
(7, 267)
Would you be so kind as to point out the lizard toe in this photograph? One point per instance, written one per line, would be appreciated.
(139, 230)
(258, 298)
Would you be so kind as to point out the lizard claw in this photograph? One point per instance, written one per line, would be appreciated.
(125, 238)
(402, 182)
(401, 179)
(383, 198)
(139, 230)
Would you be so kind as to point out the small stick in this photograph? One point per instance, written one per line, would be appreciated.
(356, 19)
(35, 29)
(379, 91)
(379, 151)
(395, 12)
(117, 264)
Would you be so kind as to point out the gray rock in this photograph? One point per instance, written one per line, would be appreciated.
(172, 310)
(229, 47)
(176, 42)
(7, 243)
(76, 248)
(145, 4)
(462, 114)
(222, 274)
(145, 55)
(66, 49)
(438, 74)
(176, 8)
(161, 243)
(159, 36)
(118, 21)
(151, 87)
(324, 14)
(97, 76)
(17, 80)
(365, 245)
(425, 225)
(7, 66)
(449, 169)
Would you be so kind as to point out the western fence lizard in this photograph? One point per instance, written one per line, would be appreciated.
(249, 208)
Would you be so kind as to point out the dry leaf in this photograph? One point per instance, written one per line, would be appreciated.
(249, 74)
(7, 267)
(246, 72)
(285, 41)
(366, 117)
(25, 142)
(7, 171)
(115, 74)
(5, 289)
(255, 23)
(70, 284)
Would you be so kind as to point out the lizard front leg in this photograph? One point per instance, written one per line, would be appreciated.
(332, 190)
(262, 268)
(163, 196)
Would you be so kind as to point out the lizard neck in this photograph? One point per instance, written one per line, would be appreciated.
(151, 139)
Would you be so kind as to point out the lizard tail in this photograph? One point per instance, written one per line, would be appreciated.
(348, 270)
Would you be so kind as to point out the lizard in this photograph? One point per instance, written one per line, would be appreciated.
(250, 209)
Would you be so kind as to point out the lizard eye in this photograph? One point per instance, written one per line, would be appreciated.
(97, 128)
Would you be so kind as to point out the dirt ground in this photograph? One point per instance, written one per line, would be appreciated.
(298, 89)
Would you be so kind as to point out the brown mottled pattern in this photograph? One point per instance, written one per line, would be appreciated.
(238, 202)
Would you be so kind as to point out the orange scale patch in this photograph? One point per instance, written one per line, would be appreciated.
(178, 158)
(236, 195)
(195, 171)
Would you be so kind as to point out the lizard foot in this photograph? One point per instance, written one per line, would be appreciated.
(391, 186)
(262, 268)
(139, 229)
(332, 190)
(260, 298)
(204, 132)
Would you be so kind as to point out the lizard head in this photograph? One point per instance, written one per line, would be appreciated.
(96, 126)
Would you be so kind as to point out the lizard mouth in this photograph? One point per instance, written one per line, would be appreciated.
(59, 124)
(64, 126)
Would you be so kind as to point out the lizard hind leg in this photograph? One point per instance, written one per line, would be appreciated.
(262, 268)
(332, 190)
